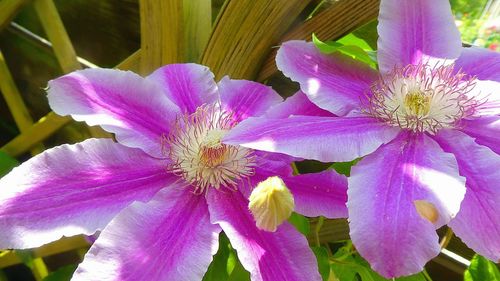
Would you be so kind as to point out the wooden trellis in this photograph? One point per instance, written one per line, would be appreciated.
(240, 44)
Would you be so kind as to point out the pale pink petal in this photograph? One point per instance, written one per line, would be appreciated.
(121, 102)
(487, 95)
(319, 194)
(411, 31)
(478, 222)
(479, 62)
(268, 256)
(168, 238)
(73, 189)
(246, 98)
(334, 82)
(485, 131)
(385, 189)
(327, 139)
(298, 104)
(188, 85)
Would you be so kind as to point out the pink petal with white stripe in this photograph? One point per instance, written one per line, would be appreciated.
(397, 197)
(479, 62)
(188, 85)
(298, 104)
(334, 82)
(327, 139)
(412, 31)
(319, 194)
(121, 102)
(485, 130)
(168, 238)
(74, 189)
(478, 222)
(268, 256)
(246, 98)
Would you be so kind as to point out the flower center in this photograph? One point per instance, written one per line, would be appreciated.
(422, 98)
(198, 155)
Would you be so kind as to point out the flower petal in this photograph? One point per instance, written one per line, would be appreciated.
(327, 139)
(397, 196)
(188, 85)
(410, 30)
(478, 222)
(268, 256)
(121, 102)
(246, 98)
(298, 104)
(73, 189)
(479, 62)
(319, 194)
(485, 130)
(487, 94)
(168, 238)
(334, 82)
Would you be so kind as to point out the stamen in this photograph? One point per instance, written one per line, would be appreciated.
(197, 154)
(422, 98)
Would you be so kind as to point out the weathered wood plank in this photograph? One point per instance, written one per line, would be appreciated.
(244, 34)
(197, 27)
(161, 33)
(53, 26)
(339, 19)
(9, 9)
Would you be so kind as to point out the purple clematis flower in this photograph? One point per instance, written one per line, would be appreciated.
(170, 159)
(427, 126)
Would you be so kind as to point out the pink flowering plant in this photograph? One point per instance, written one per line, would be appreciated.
(166, 189)
(425, 127)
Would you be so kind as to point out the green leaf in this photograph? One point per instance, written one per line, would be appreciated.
(344, 168)
(62, 274)
(376, 277)
(354, 51)
(481, 269)
(346, 265)
(327, 47)
(300, 222)
(351, 39)
(368, 33)
(239, 273)
(7, 163)
(321, 254)
(219, 269)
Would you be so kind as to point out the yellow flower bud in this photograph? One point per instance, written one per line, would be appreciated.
(271, 203)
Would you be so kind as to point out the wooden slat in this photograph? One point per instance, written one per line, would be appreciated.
(9, 9)
(161, 33)
(13, 98)
(15, 102)
(132, 63)
(244, 34)
(334, 22)
(197, 27)
(331, 231)
(53, 26)
(41, 130)
(60, 246)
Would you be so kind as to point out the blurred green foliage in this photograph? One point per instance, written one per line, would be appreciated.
(471, 20)
(481, 269)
